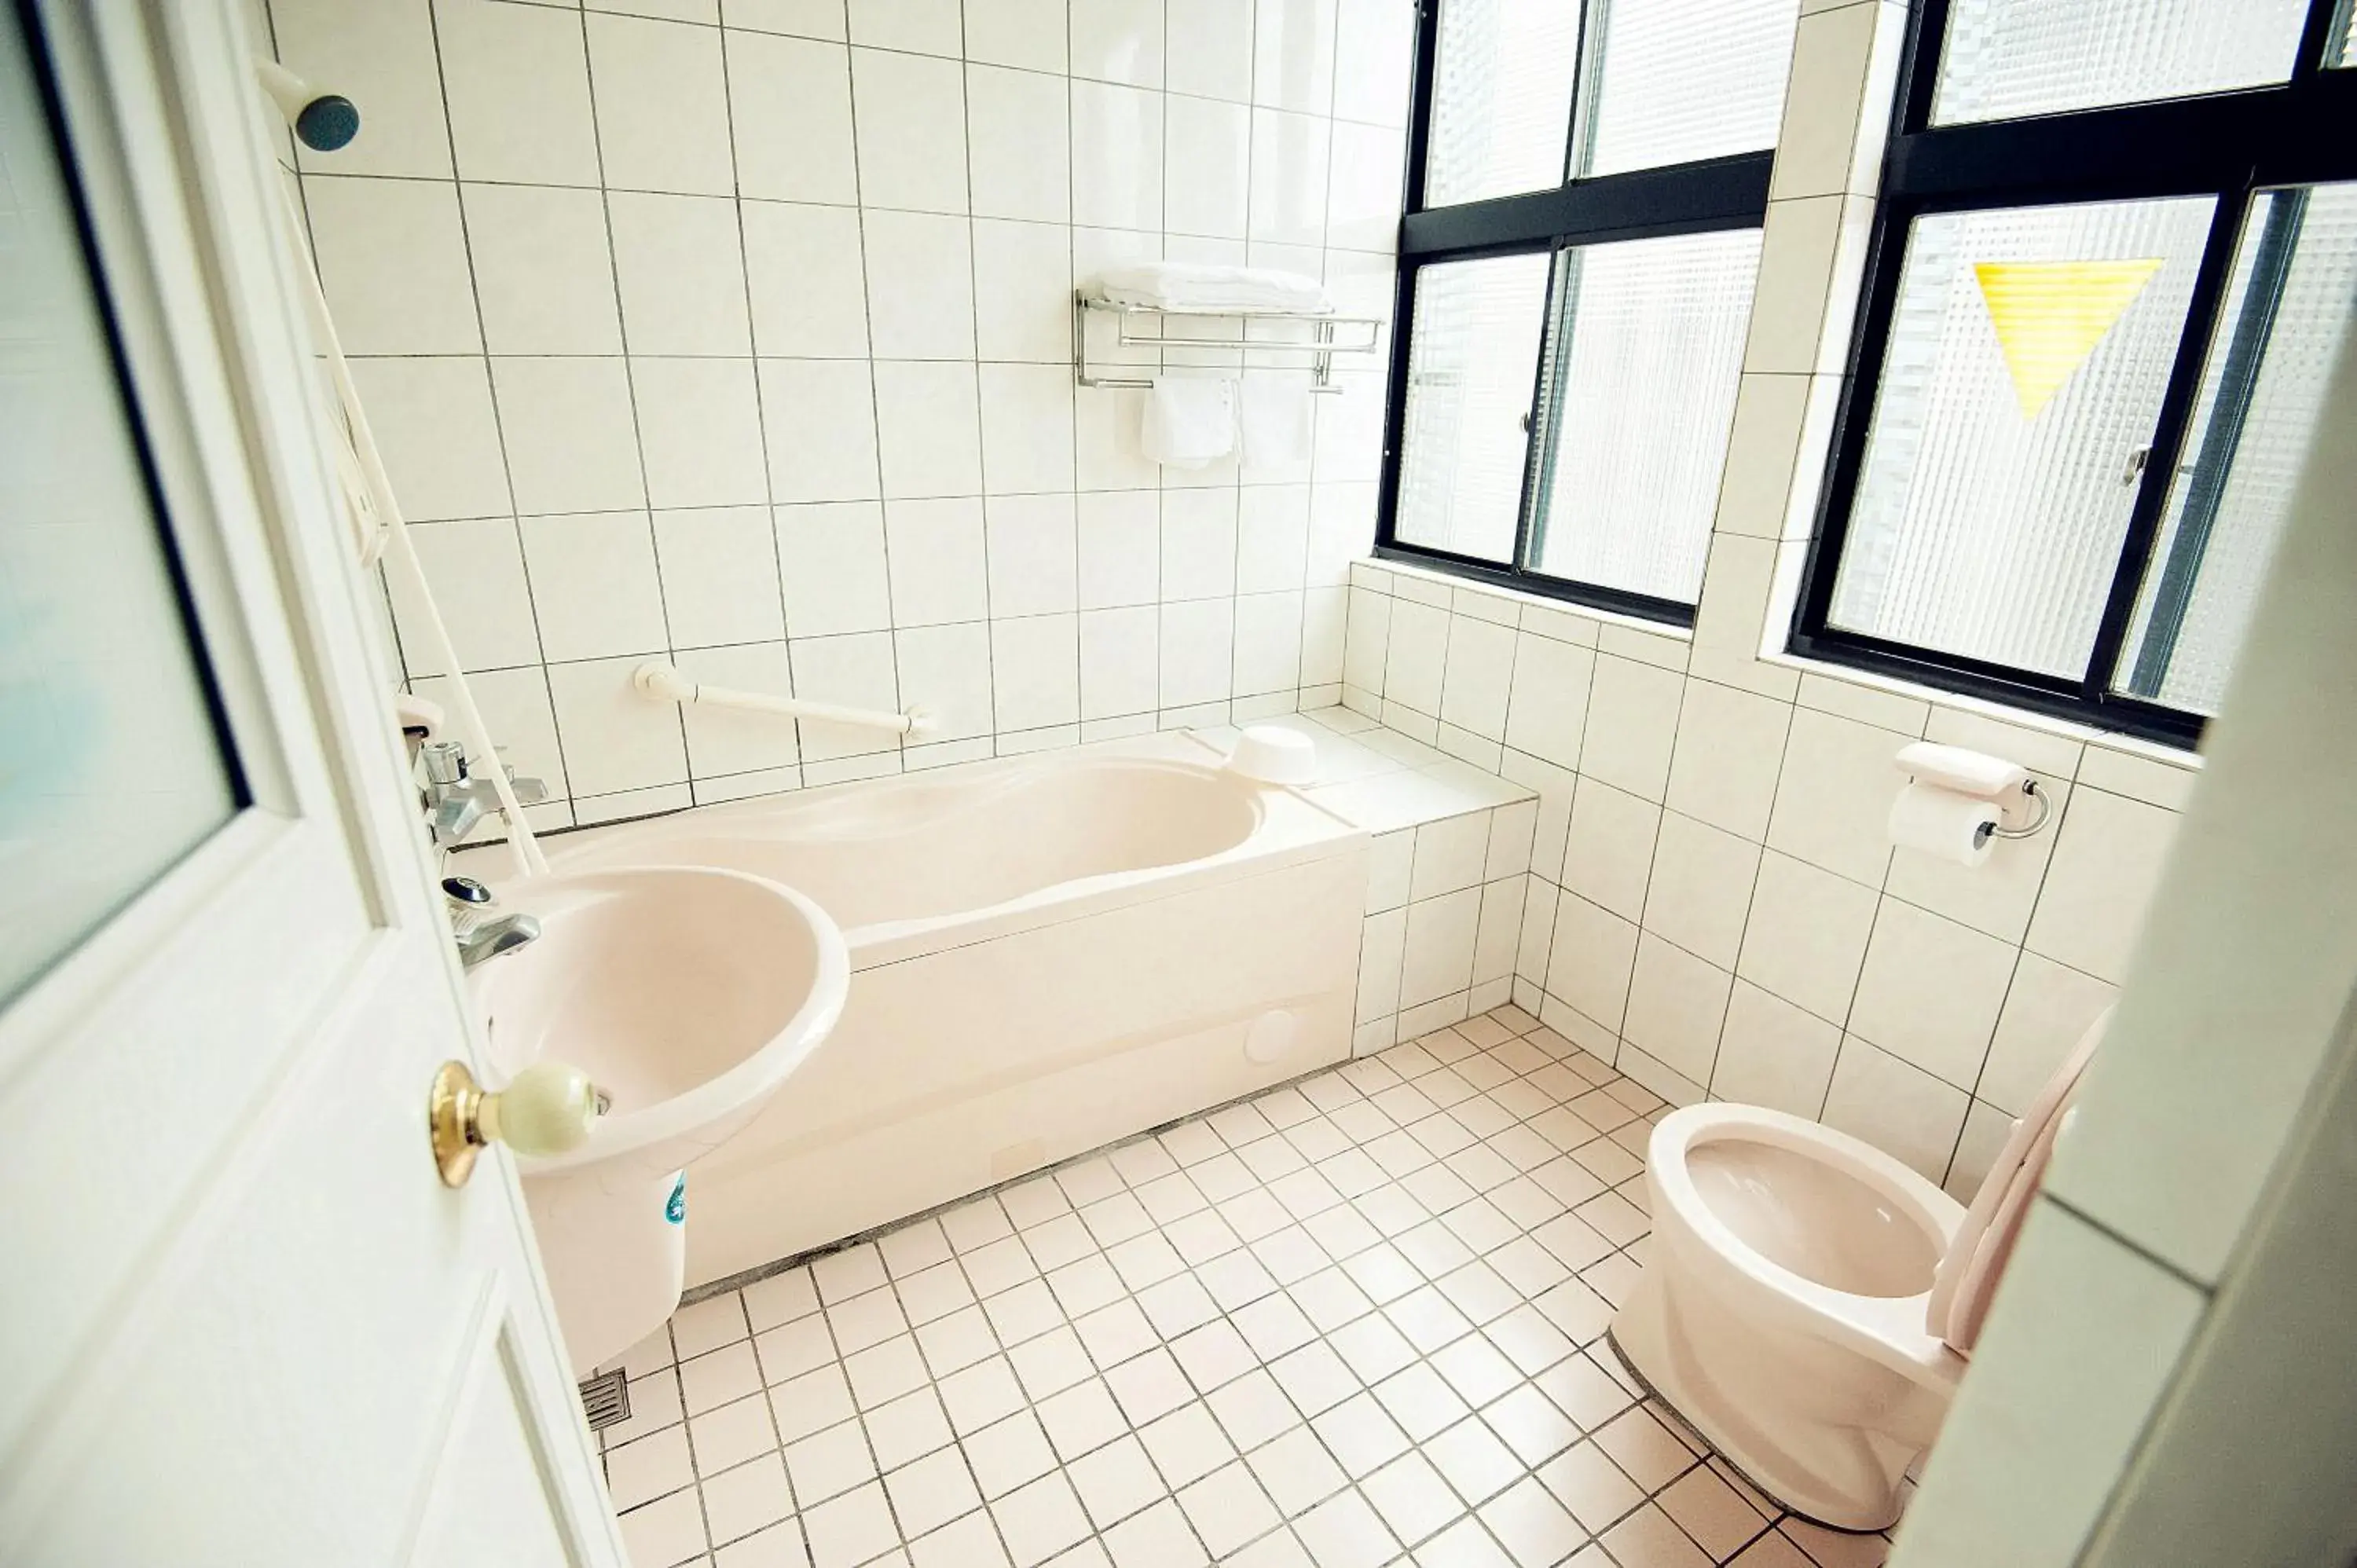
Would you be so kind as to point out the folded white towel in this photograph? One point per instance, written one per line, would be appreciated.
(1189, 421)
(1274, 413)
(1191, 285)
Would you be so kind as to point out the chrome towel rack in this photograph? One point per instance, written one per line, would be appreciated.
(1325, 340)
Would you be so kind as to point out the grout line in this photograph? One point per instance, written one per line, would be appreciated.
(847, 42)
(337, 176)
(1072, 424)
(1097, 1250)
(631, 390)
(890, 631)
(761, 419)
(2208, 1288)
(2070, 789)
(499, 426)
(974, 370)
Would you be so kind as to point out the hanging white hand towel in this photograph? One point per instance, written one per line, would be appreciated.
(1274, 412)
(1189, 421)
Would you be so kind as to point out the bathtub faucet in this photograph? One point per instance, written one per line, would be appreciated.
(456, 799)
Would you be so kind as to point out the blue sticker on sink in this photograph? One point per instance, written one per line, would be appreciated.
(675, 1208)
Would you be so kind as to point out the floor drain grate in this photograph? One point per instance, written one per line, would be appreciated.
(607, 1399)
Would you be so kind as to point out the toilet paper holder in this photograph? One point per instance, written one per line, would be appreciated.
(1979, 775)
(2045, 805)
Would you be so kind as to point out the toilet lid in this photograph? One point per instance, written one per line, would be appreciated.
(1975, 1260)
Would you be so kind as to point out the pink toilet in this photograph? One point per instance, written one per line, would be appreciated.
(1809, 1301)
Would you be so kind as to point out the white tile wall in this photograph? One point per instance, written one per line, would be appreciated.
(1711, 903)
(653, 304)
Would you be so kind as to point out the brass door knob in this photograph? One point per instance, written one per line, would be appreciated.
(546, 1108)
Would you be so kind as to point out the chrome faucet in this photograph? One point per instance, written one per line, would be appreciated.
(480, 939)
(455, 798)
(491, 938)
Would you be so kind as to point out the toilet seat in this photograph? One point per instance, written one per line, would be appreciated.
(1889, 1329)
(1771, 1312)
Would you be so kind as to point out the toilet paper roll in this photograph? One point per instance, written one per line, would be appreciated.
(1943, 822)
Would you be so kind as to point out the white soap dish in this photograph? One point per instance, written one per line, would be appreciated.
(1275, 755)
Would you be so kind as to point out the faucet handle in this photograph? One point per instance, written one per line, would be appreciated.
(529, 791)
(469, 900)
(445, 761)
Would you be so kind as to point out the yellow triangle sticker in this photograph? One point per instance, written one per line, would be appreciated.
(2050, 314)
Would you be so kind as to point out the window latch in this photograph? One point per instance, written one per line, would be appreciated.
(2134, 470)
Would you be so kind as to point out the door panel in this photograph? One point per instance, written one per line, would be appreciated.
(319, 1312)
(116, 764)
(174, 1053)
(241, 1321)
(490, 1458)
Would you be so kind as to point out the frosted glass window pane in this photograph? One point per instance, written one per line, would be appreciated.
(1501, 98)
(110, 768)
(2025, 369)
(1650, 350)
(1473, 364)
(1682, 79)
(2288, 305)
(2006, 58)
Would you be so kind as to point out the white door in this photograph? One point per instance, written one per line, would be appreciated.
(242, 1322)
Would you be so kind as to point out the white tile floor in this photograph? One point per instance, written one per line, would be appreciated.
(1354, 1321)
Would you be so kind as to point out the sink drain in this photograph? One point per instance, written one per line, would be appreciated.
(605, 1399)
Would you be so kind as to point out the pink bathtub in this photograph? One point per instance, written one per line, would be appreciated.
(1049, 952)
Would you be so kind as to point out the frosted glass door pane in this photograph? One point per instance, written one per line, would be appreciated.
(1650, 350)
(2025, 369)
(1472, 365)
(2006, 58)
(1501, 98)
(110, 768)
(2288, 305)
(1682, 79)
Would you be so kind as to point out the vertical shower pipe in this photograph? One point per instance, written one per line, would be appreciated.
(401, 555)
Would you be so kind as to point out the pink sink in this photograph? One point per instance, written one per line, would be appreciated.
(689, 994)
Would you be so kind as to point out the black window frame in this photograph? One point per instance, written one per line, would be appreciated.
(1704, 197)
(2232, 145)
